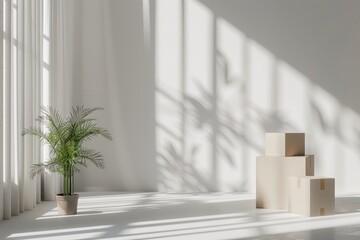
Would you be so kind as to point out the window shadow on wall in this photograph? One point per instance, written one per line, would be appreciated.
(219, 89)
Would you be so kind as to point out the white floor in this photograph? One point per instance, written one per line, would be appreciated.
(181, 216)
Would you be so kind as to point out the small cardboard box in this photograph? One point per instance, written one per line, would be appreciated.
(312, 196)
(272, 178)
(285, 144)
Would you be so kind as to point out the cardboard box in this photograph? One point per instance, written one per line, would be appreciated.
(272, 178)
(312, 196)
(285, 144)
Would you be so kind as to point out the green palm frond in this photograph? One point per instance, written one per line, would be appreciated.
(93, 156)
(36, 169)
(79, 113)
(35, 132)
(87, 134)
(65, 138)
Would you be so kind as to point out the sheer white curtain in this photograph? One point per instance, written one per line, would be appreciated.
(29, 28)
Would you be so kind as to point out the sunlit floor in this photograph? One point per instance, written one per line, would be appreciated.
(181, 216)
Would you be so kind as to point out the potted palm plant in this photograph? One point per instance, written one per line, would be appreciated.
(66, 138)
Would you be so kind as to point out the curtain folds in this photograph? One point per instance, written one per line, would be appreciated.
(28, 26)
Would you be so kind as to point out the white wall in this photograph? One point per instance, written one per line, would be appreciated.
(189, 109)
(108, 69)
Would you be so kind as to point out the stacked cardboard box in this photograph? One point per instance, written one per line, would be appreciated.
(285, 158)
(312, 196)
(272, 175)
(285, 144)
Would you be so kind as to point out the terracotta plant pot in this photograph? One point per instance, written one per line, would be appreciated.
(67, 205)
